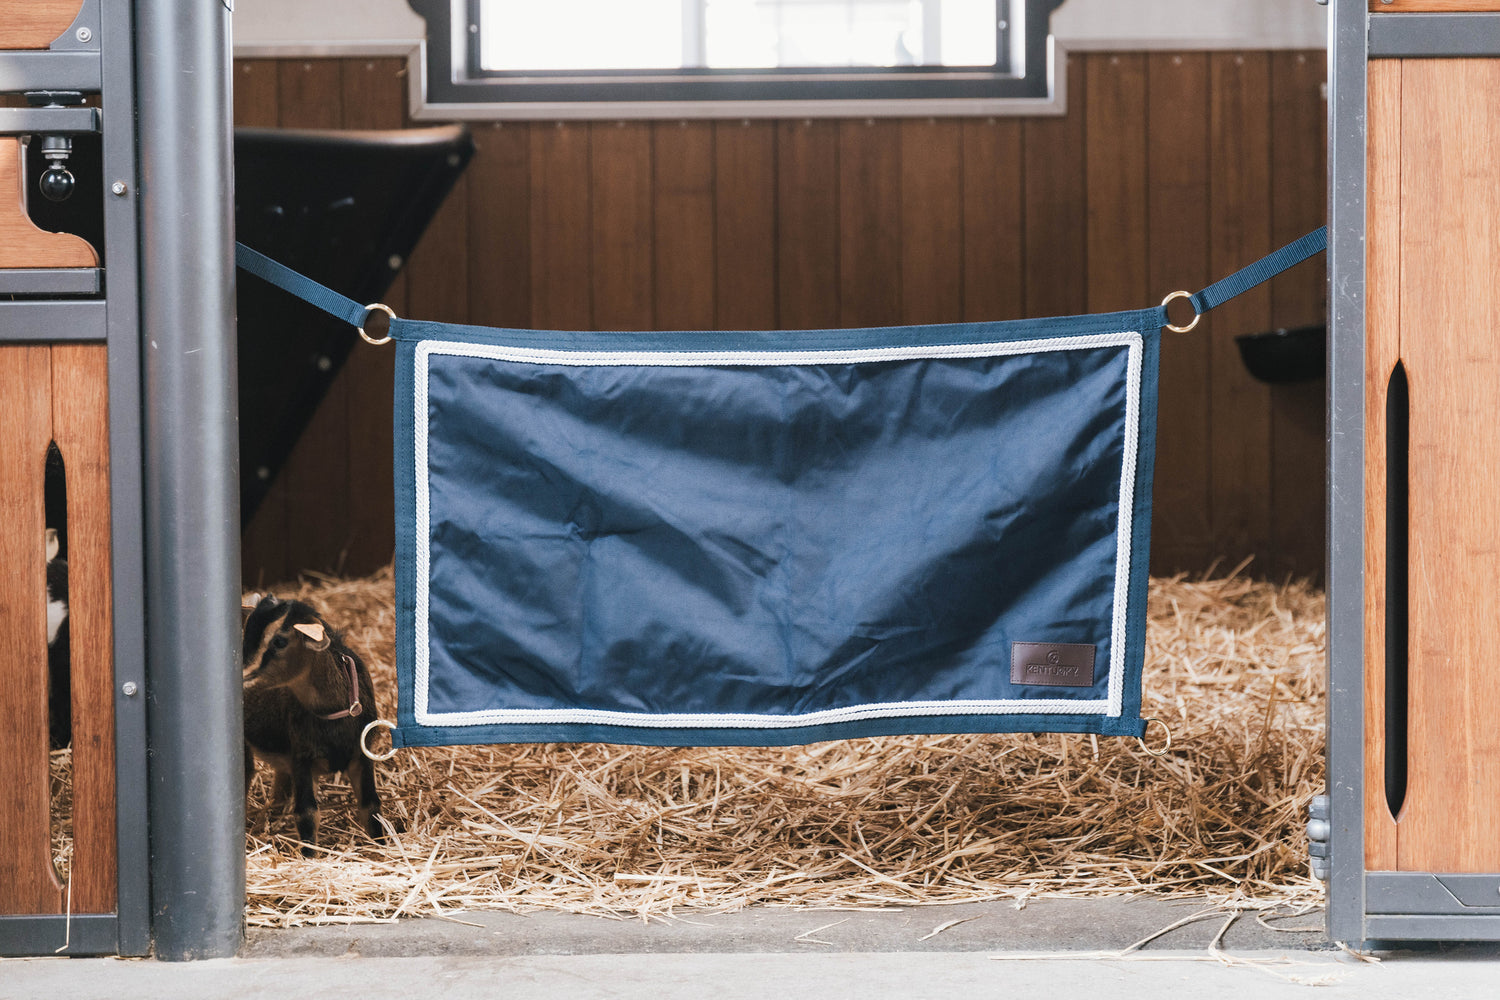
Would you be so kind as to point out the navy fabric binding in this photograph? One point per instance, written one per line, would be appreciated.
(773, 537)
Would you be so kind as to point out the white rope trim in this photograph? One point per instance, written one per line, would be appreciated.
(1112, 706)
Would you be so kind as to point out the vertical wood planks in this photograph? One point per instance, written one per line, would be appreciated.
(683, 224)
(561, 228)
(623, 234)
(372, 95)
(932, 221)
(1056, 204)
(1382, 351)
(1239, 233)
(1177, 226)
(28, 883)
(869, 223)
(1299, 184)
(257, 92)
(1115, 164)
(807, 224)
(745, 225)
(994, 236)
(1449, 312)
(500, 225)
(80, 426)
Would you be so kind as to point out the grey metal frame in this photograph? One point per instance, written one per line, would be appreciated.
(190, 484)
(1434, 36)
(1346, 427)
(1364, 905)
(105, 65)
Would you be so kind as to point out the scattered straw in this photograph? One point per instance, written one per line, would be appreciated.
(1234, 667)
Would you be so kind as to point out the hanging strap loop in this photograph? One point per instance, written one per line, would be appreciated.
(1262, 270)
(309, 291)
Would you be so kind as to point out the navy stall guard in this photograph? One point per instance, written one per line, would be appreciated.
(764, 538)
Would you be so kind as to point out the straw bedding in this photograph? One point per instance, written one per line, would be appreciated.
(1233, 666)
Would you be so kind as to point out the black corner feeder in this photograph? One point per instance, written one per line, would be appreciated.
(1282, 356)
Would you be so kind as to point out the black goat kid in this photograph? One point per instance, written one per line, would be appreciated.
(308, 697)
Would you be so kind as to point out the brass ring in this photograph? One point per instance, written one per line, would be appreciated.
(1196, 315)
(392, 314)
(366, 732)
(1156, 753)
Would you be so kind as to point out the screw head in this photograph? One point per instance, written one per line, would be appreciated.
(129, 689)
(118, 188)
(83, 34)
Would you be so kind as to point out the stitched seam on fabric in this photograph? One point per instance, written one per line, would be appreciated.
(1111, 706)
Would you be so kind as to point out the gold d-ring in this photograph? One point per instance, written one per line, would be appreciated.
(1196, 315)
(1142, 739)
(392, 314)
(366, 732)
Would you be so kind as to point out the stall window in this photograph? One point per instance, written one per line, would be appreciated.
(733, 58)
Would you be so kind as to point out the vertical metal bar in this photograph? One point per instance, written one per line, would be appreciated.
(190, 478)
(1346, 460)
(122, 320)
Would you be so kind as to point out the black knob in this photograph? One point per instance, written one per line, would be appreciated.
(56, 183)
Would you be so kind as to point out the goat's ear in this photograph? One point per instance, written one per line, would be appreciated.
(320, 640)
(52, 544)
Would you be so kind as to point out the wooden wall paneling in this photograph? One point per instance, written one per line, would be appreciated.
(257, 92)
(374, 93)
(745, 213)
(624, 237)
(869, 223)
(932, 221)
(36, 24)
(1056, 204)
(683, 224)
(316, 474)
(263, 556)
(22, 242)
(994, 236)
(1240, 233)
(80, 426)
(1382, 351)
(1115, 164)
(1449, 313)
(807, 224)
(28, 883)
(1177, 227)
(500, 225)
(1299, 199)
(561, 228)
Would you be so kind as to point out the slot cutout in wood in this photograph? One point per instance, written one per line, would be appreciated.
(1397, 527)
(59, 660)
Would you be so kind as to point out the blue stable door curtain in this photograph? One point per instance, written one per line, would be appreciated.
(776, 537)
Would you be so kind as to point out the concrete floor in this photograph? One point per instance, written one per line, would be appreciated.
(1052, 948)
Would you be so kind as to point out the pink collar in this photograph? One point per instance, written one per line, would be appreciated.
(354, 706)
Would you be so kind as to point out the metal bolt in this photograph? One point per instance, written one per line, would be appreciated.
(394, 262)
(119, 188)
(129, 689)
(262, 473)
(324, 363)
(83, 34)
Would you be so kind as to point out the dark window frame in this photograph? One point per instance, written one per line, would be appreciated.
(451, 78)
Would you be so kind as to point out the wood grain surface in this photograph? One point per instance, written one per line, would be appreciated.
(28, 883)
(1449, 314)
(22, 244)
(35, 24)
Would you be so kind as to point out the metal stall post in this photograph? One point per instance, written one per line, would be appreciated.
(1346, 466)
(190, 478)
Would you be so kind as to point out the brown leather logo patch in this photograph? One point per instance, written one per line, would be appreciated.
(1052, 664)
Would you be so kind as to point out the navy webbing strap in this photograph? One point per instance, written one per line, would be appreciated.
(1264, 269)
(1216, 294)
(304, 288)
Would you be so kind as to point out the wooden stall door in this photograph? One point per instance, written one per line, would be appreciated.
(56, 394)
(1434, 307)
